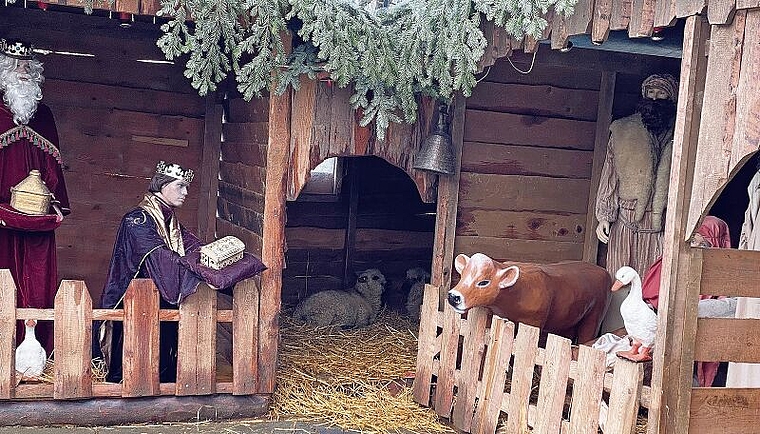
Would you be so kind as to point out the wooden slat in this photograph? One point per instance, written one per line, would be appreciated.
(494, 375)
(243, 176)
(141, 333)
(727, 339)
(256, 110)
(664, 13)
(544, 100)
(601, 23)
(426, 347)
(621, 14)
(624, 397)
(302, 129)
(724, 410)
(7, 334)
(676, 326)
(511, 129)
(716, 133)
(559, 35)
(273, 238)
(521, 225)
(246, 132)
(579, 22)
(209, 180)
(525, 352)
(747, 137)
(604, 118)
(688, 8)
(507, 249)
(721, 11)
(245, 305)
(196, 350)
(444, 389)
(551, 393)
(720, 276)
(251, 240)
(473, 349)
(526, 160)
(747, 4)
(131, 6)
(587, 391)
(224, 315)
(73, 341)
(524, 193)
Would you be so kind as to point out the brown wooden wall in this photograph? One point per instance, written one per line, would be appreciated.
(242, 169)
(394, 231)
(116, 118)
(528, 153)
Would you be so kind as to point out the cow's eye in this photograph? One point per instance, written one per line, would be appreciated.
(483, 283)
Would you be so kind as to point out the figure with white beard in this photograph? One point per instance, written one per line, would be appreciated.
(28, 141)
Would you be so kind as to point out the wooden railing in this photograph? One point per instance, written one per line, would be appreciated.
(73, 317)
(471, 361)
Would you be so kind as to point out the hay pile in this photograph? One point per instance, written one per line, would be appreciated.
(352, 379)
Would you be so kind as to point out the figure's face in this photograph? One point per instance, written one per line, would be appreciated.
(655, 93)
(174, 193)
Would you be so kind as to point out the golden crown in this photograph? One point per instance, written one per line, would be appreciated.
(17, 49)
(175, 171)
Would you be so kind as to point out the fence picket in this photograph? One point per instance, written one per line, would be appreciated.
(473, 348)
(7, 334)
(553, 390)
(587, 391)
(73, 341)
(196, 349)
(141, 332)
(525, 351)
(494, 375)
(426, 345)
(245, 317)
(624, 397)
(444, 389)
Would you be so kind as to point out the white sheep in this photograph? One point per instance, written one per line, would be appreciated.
(357, 307)
(416, 278)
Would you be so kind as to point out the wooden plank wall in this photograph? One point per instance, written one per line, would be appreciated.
(394, 231)
(116, 118)
(526, 163)
(242, 169)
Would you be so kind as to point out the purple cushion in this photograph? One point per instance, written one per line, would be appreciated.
(245, 268)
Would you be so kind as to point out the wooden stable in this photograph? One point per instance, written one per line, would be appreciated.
(529, 149)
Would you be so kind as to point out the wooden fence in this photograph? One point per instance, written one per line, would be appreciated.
(73, 316)
(463, 365)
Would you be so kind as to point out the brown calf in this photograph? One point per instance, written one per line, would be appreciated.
(567, 298)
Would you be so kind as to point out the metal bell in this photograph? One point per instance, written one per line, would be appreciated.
(437, 153)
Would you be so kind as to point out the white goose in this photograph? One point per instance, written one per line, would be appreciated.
(30, 355)
(639, 319)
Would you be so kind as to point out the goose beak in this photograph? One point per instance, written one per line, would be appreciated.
(30, 323)
(617, 285)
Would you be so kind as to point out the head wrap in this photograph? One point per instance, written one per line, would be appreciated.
(716, 232)
(17, 49)
(665, 82)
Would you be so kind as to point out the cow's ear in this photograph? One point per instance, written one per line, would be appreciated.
(460, 262)
(508, 276)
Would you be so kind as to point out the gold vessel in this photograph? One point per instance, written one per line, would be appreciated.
(31, 196)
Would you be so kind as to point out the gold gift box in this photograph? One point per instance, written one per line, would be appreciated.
(31, 196)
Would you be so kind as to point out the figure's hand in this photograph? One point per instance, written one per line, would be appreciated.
(58, 213)
(603, 231)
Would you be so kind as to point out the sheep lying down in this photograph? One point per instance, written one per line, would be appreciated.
(357, 307)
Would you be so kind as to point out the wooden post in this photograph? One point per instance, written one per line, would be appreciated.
(587, 391)
(494, 376)
(349, 246)
(676, 324)
(209, 182)
(473, 348)
(273, 236)
(603, 120)
(624, 397)
(7, 334)
(446, 208)
(73, 341)
(426, 348)
(196, 349)
(525, 351)
(553, 390)
(141, 331)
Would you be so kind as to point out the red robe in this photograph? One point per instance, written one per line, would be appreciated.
(27, 243)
